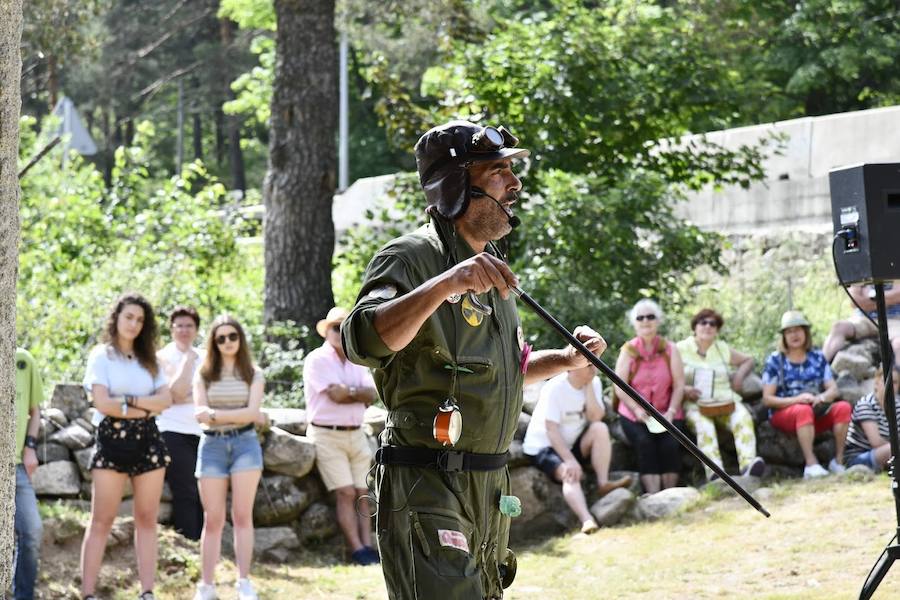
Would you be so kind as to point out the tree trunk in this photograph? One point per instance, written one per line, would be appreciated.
(198, 135)
(220, 136)
(300, 182)
(235, 153)
(52, 81)
(10, 103)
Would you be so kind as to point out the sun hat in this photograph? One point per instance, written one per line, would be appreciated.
(335, 315)
(793, 318)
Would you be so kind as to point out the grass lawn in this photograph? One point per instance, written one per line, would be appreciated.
(821, 541)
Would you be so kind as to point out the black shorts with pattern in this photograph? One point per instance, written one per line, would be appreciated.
(131, 446)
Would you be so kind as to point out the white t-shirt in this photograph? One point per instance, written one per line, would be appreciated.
(561, 403)
(120, 375)
(179, 418)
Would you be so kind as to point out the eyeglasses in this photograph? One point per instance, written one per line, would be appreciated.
(650, 317)
(231, 337)
(708, 323)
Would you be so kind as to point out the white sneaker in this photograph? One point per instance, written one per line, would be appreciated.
(836, 467)
(205, 592)
(814, 471)
(245, 590)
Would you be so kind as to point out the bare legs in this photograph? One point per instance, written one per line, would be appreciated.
(106, 496)
(213, 494)
(356, 526)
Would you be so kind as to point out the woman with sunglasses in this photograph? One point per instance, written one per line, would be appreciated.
(228, 393)
(651, 365)
(128, 389)
(711, 398)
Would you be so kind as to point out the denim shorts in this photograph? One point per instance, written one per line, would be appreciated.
(866, 458)
(220, 456)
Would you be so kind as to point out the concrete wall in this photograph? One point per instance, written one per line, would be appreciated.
(795, 192)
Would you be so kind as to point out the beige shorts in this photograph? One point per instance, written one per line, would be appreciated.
(865, 328)
(343, 457)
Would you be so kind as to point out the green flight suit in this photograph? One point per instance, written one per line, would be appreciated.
(478, 360)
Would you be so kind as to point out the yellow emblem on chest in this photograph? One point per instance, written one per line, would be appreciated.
(472, 316)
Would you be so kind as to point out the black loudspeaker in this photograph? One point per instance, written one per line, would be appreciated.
(865, 211)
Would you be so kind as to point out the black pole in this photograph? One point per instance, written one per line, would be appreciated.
(892, 552)
(682, 439)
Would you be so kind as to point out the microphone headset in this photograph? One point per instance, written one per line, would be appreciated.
(514, 221)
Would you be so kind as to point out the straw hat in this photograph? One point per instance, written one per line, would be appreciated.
(335, 315)
(793, 318)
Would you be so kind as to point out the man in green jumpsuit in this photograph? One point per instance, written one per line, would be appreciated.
(420, 321)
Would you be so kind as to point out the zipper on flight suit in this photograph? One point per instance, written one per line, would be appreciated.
(505, 349)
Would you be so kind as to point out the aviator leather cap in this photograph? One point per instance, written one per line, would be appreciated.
(443, 156)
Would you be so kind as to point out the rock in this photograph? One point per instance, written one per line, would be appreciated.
(58, 478)
(543, 508)
(778, 448)
(517, 456)
(851, 363)
(122, 532)
(83, 458)
(860, 473)
(288, 454)
(530, 395)
(55, 416)
(868, 349)
(623, 457)
(751, 389)
(73, 436)
(85, 424)
(275, 543)
(48, 452)
(749, 483)
(524, 420)
(374, 420)
(666, 502)
(279, 501)
(317, 523)
(292, 420)
(611, 508)
(312, 486)
(852, 390)
(70, 398)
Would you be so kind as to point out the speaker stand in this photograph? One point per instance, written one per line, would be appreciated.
(892, 552)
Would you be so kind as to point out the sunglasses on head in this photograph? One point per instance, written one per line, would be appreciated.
(231, 337)
(709, 322)
(650, 317)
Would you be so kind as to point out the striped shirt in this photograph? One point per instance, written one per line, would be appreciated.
(866, 409)
(229, 393)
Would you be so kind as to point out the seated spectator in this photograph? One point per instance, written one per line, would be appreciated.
(228, 393)
(652, 365)
(860, 326)
(710, 397)
(337, 393)
(27, 523)
(868, 438)
(799, 390)
(179, 361)
(566, 431)
(128, 389)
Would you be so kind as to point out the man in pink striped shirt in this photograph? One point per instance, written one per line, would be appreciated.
(337, 393)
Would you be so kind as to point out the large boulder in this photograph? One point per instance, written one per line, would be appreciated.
(55, 416)
(666, 502)
(780, 449)
(71, 399)
(748, 482)
(292, 420)
(854, 364)
(275, 543)
(852, 389)
(751, 389)
(83, 458)
(74, 436)
(530, 395)
(279, 501)
(48, 452)
(544, 509)
(374, 420)
(317, 523)
(288, 454)
(613, 507)
(58, 478)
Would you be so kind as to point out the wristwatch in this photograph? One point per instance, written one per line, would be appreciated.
(212, 415)
(31, 442)
(353, 391)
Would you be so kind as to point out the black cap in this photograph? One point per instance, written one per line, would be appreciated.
(444, 154)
